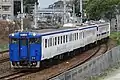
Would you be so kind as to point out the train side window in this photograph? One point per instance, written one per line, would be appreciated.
(97, 28)
(70, 37)
(14, 41)
(50, 40)
(55, 40)
(61, 39)
(73, 37)
(77, 36)
(80, 35)
(34, 41)
(58, 40)
(46, 43)
(64, 39)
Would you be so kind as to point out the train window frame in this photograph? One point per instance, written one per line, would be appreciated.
(46, 42)
(11, 41)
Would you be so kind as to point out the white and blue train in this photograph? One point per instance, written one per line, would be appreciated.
(29, 49)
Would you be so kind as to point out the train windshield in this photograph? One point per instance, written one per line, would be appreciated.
(34, 41)
(23, 42)
(14, 41)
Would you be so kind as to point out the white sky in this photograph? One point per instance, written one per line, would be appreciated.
(46, 3)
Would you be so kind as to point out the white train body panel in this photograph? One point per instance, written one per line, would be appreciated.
(75, 39)
(103, 31)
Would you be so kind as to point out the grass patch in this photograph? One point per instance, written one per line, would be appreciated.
(3, 47)
(116, 37)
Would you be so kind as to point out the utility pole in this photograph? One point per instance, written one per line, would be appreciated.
(21, 15)
(64, 11)
(117, 17)
(73, 12)
(35, 15)
(81, 11)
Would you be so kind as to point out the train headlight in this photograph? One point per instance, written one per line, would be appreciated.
(34, 34)
(13, 34)
(33, 58)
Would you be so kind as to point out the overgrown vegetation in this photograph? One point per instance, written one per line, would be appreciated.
(3, 47)
(97, 9)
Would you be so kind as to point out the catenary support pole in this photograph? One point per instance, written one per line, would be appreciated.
(21, 15)
(81, 11)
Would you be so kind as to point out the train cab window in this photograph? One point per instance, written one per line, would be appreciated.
(23, 42)
(34, 41)
(14, 41)
(46, 43)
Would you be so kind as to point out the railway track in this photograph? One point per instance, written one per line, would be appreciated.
(4, 56)
(4, 51)
(101, 50)
(57, 69)
(46, 74)
(14, 75)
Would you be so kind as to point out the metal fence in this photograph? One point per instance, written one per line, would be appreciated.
(92, 68)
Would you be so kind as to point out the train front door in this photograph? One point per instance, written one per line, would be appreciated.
(23, 49)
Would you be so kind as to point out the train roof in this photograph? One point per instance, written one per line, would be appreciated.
(53, 31)
(42, 31)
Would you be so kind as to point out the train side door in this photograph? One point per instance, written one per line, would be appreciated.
(23, 49)
(14, 49)
(35, 49)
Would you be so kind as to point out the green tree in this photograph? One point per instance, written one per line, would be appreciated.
(97, 9)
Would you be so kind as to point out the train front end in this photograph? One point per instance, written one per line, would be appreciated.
(25, 50)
